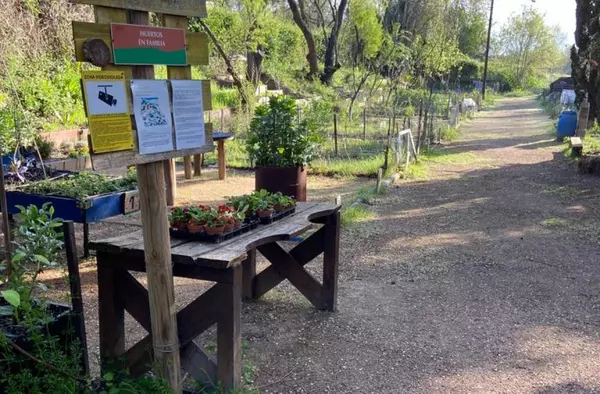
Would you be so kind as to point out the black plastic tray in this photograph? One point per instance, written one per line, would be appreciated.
(277, 216)
(215, 239)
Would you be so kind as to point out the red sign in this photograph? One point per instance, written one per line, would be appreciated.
(148, 45)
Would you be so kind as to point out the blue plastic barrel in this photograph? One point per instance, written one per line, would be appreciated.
(567, 124)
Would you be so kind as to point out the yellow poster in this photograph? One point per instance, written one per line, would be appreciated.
(108, 111)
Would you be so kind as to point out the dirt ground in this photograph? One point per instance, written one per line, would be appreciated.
(482, 279)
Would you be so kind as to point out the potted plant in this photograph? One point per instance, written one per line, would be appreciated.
(215, 223)
(281, 146)
(197, 220)
(179, 218)
(282, 203)
(239, 216)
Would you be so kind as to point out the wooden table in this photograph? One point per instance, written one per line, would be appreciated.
(232, 266)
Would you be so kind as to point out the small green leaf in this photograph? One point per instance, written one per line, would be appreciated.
(41, 259)
(12, 297)
(109, 376)
(18, 257)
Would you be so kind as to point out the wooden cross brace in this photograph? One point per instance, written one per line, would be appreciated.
(220, 305)
(290, 266)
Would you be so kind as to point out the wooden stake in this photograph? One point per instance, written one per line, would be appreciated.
(221, 159)
(187, 164)
(170, 181)
(157, 247)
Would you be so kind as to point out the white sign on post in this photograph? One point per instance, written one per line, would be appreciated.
(188, 114)
(152, 116)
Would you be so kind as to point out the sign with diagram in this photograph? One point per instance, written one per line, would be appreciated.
(148, 45)
(152, 111)
(108, 111)
(188, 114)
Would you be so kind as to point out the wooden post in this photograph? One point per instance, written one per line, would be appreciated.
(170, 181)
(335, 133)
(229, 332)
(330, 262)
(197, 165)
(221, 159)
(187, 164)
(157, 246)
(379, 178)
(364, 124)
(5, 220)
(75, 287)
(248, 275)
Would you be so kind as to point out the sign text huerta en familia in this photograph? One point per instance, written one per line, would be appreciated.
(148, 45)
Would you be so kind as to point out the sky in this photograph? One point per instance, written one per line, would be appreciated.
(558, 12)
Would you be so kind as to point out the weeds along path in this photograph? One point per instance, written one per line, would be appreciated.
(482, 277)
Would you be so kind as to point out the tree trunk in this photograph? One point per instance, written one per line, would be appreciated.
(254, 66)
(331, 63)
(236, 79)
(311, 57)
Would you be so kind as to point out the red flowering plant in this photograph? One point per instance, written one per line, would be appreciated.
(179, 217)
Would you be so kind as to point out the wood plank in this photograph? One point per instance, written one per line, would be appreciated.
(197, 165)
(200, 365)
(197, 43)
(159, 269)
(248, 275)
(170, 170)
(229, 334)
(576, 142)
(293, 271)
(304, 253)
(127, 158)
(111, 315)
(233, 251)
(195, 8)
(331, 262)
(134, 297)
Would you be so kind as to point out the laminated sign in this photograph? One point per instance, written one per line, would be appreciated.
(108, 111)
(148, 45)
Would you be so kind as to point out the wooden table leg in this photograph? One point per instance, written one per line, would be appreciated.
(248, 275)
(111, 314)
(197, 165)
(187, 167)
(229, 335)
(221, 159)
(330, 262)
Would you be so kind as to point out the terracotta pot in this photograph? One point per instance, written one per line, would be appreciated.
(237, 224)
(290, 181)
(264, 213)
(229, 227)
(179, 226)
(279, 208)
(215, 230)
(195, 227)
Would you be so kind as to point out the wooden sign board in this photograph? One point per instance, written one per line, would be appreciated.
(173, 7)
(148, 45)
(107, 106)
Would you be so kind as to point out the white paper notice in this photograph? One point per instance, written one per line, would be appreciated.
(152, 116)
(188, 114)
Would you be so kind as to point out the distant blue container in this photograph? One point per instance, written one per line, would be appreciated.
(567, 124)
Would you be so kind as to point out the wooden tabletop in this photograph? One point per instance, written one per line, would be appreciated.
(222, 136)
(230, 252)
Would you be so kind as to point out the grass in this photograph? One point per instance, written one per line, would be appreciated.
(440, 156)
(450, 134)
(554, 222)
(365, 167)
(352, 215)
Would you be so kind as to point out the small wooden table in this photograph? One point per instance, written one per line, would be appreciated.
(220, 139)
(232, 265)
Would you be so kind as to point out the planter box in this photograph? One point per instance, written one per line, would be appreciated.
(290, 181)
(76, 165)
(92, 210)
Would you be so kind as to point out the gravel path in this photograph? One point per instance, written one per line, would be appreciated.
(482, 279)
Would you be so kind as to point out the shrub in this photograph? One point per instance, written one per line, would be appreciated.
(276, 137)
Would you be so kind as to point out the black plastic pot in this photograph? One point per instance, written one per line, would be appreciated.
(291, 181)
(61, 327)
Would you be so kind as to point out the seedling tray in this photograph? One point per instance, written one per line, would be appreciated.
(277, 216)
(214, 239)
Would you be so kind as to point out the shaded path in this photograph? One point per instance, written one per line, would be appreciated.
(483, 279)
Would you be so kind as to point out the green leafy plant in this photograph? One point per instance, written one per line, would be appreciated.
(82, 185)
(277, 138)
